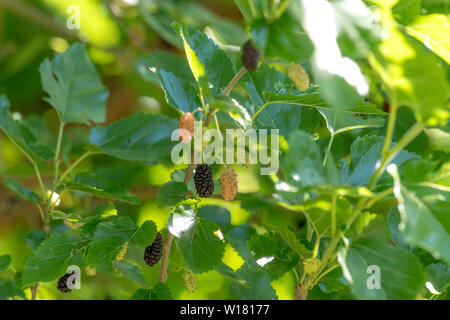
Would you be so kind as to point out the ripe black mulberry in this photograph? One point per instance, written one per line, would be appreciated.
(153, 252)
(203, 179)
(63, 282)
(250, 56)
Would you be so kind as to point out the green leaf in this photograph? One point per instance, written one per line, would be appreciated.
(433, 30)
(410, 73)
(439, 139)
(131, 272)
(341, 80)
(303, 162)
(8, 290)
(74, 87)
(108, 240)
(435, 6)
(218, 215)
(205, 58)
(439, 275)
(314, 100)
(338, 122)
(318, 211)
(180, 93)
(162, 60)
(91, 183)
(23, 191)
(159, 292)
(235, 110)
(365, 154)
(140, 137)
(146, 234)
(358, 28)
(238, 236)
(171, 193)
(293, 242)
(201, 248)
(21, 135)
(256, 286)
(5, 260)
(35, 238)
(371, 251)
(262, 82)
(393, 220)
(283, 38)
(406, 10)
(424, 220)
(252, 10)
(272, 247)
(159, 14)
(334, 281)
(101, 212)
(50, 260)
(178, 175)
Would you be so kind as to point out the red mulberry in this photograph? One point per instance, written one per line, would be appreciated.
(187, 122)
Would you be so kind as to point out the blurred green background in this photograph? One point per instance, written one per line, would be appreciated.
(118, 33)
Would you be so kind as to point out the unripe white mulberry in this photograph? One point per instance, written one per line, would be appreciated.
(299, 76)
(190, 281)
(90, 271)
(312, 265)
(122, 252)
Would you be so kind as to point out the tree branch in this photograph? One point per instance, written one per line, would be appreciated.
(301, 292)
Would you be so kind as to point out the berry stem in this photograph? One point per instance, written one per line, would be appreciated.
(234, 81)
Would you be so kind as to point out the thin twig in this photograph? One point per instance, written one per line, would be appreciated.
(165, 258)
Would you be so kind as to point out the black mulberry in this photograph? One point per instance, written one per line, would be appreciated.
(250, 56)
(153, 252)
(203, 179)
(63, 282)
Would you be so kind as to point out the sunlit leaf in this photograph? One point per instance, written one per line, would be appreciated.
(159, 292)
(369, 261)
(201, 248)
(74, 87)
(433, 31)
(140, 137)
(20, 135)
(50, 260)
